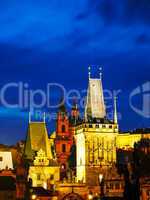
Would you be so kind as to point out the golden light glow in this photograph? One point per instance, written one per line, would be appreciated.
(33, 196)
(100, 178)
(90, 196)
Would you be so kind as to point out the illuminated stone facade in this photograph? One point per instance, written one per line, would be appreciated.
(98, 138)
(44, 172)
(96, 146)
(40, 151)
(6, 160)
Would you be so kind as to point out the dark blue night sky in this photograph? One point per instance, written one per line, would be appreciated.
(55, 40)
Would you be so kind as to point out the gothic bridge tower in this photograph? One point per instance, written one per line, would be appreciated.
(96, 136)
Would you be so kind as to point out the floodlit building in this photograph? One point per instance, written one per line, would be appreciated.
(6, 160)
(64, 138)
(98, 138)
(37, 138)
(43, 170)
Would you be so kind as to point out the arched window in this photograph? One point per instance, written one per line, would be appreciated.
(63, 128)
(63, 148)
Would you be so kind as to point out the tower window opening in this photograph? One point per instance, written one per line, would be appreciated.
(117, 186)
(38, 177)
(63, 128)
(63, 148)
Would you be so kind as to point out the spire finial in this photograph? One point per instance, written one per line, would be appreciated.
(29, 117)
(44, 117)
(89, 69)
(100, 73)
(115, 110)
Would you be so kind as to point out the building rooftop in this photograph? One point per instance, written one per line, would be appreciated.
(37, 138)
(95, 106)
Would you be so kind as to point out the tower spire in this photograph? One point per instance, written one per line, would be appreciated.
(95, 105)
(115, 110)
(100, 73)
(29, 117)
(44, 117)
(89, 71)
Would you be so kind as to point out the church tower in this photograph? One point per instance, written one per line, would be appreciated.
(96, 137)
(63, 140)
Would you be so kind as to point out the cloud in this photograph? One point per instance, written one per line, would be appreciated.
(143, 39)
(124, 12)
(55, 41)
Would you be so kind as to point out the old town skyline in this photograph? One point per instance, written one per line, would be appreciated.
(79, 35)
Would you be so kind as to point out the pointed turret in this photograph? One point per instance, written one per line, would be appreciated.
(29, 117)
(95, 106)
(37, 138)
(44, 117)
(75, 114)
(75, 110)
(115, 111)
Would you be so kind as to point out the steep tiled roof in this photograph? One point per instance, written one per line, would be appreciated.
(37, 138)
(95, 106)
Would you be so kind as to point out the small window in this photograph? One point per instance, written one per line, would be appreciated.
(52, 177)
(111, 186)
(117, 186)
(38, 177)
(90, 126)
(63, 128)
(1, 159)
(63, 148)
